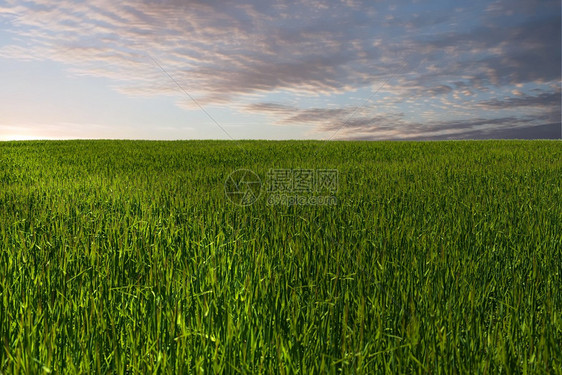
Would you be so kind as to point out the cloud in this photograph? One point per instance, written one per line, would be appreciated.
(221, 49)
(508, 131)
(529, 132)
(545, 99)
(410, 57)
(362, 123)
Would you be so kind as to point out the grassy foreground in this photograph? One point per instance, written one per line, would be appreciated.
(127, 257)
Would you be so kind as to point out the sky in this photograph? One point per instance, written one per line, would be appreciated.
(260, 69)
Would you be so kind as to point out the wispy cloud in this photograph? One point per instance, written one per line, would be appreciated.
(421, 57)
(544, 100)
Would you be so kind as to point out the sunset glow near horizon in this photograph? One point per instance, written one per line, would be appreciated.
(309, 69)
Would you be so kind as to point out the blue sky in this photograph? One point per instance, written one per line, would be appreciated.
(308, 69)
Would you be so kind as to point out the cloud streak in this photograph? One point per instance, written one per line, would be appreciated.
(443, 61)
(344, 123)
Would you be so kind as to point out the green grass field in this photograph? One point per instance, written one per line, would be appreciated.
(128, 257)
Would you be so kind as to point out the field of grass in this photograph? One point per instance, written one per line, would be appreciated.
(127, 257)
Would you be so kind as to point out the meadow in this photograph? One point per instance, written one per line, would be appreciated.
(128, 257)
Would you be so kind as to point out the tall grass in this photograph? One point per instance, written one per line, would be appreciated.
(126, 257)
